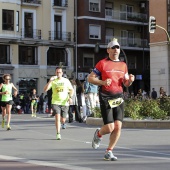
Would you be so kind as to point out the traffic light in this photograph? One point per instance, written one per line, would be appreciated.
(152, 24)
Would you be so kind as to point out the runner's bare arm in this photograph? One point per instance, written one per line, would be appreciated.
(47, 86)
(92, 78)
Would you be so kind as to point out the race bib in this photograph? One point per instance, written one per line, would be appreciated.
(115, 102)
(59, 89)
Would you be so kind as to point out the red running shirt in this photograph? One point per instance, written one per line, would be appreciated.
(114, 70)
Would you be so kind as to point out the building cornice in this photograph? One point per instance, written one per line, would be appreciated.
(159, 43)
(111, 20)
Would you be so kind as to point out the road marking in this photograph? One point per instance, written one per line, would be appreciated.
(137, 155)
(43, 163)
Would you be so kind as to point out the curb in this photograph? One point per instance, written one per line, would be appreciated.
(145, 124)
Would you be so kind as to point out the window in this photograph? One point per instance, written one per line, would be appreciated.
(57, 55)
(126, 12)
(94, 31)
(131, 40)
(63, 3)
(28, 25)
(94, 5)
(26, 85)
(132, 62)
(88, 60)
(28, 55)
(109, 34)
(4, 51)
(109, 9)
(8, 20)
(124, 37)
(128, 38)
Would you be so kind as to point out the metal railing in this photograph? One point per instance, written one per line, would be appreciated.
(123, 15)
(58, 35)
(30, 33)
(130, 42)
(31, 1)
(61, 3)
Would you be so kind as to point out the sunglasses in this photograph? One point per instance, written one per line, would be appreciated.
(115, 46)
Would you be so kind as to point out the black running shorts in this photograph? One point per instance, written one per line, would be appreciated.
(109, 114)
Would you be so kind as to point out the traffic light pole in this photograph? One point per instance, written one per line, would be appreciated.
(153, 25)
(165, 31)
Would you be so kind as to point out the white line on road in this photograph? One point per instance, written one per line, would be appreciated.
(43, 163)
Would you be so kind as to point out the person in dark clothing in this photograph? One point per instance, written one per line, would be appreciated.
(73, 104)
(154, 94)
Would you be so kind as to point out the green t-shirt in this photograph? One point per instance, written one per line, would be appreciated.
(7, 97)
(60, 90)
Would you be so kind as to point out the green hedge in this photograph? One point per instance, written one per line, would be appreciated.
(137, 109)
(154, 109)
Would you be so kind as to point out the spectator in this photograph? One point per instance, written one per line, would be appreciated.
(22, 101)
(27, 103)
(139, 95)
(154, 94)
(74, 105)
(162, 92)
(79, 91)
(91, 90)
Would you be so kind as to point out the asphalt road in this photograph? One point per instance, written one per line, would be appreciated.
(32, 145)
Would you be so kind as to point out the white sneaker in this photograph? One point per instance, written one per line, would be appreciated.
(96, 140)
(58, 136)
(109, 156)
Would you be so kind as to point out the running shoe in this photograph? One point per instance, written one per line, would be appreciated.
(96, 140)
(3, 123)
(8, 128)
(63, 126)
(58, 136)
(33, 115)
(109, 156)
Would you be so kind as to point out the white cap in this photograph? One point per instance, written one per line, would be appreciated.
(113, 43)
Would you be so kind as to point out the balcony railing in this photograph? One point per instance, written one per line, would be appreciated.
(31, 2)
(58, 35)
(128, 16)
(31, 33)
(10, 35)
(130, 42)
(60, 3)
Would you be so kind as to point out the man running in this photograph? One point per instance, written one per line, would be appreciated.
(62, 92)
(113, 74)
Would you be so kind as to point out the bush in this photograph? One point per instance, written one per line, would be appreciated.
(97, 112)
(151, 109)
(164, 104)
(132, 109)
(135, 109)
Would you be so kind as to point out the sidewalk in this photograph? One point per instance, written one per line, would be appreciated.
(128, 123)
